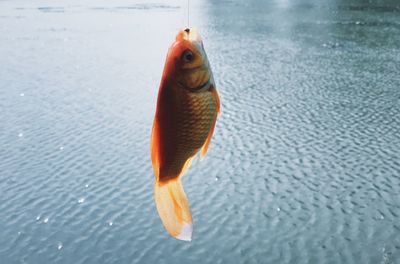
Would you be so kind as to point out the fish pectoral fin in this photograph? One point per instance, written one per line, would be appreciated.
(173, 208)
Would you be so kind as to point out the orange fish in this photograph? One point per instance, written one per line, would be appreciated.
(187, 109)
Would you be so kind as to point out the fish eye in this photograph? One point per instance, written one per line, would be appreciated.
(187, 56)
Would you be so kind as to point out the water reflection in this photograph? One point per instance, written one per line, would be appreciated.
(303, 166)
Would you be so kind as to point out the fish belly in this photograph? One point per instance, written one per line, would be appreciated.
(195, 115)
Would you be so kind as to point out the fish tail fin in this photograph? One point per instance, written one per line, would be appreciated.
(173, 208)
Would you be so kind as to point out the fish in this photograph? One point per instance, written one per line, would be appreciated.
(188, 105)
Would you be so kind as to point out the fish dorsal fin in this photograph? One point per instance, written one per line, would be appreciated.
(155, 148)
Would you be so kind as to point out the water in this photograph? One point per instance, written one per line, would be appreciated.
(304, 165)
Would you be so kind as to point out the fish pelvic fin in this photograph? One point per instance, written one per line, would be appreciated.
(173, 208)
(217, 100)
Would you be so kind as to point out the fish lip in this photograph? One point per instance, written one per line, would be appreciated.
(189, 34)
(193, 34)
(200, 88)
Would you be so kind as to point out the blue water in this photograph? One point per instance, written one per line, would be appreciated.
(304, 165)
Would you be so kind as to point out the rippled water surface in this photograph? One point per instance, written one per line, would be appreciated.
(304, 165)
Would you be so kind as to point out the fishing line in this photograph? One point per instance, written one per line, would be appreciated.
(188, 7)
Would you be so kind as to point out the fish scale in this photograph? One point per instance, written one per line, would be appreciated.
(197, 115)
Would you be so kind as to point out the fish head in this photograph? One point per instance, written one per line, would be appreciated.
(187, 61)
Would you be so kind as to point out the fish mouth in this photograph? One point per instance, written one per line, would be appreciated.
(194, 34)
(190, 34)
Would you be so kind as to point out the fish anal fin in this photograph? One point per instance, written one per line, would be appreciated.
(186, 166)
